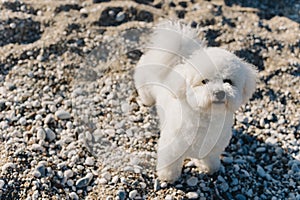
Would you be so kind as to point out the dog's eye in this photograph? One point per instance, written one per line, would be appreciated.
(204, 81)
(227, 81)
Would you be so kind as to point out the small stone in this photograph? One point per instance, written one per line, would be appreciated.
(22, 121)
(40, 58)
(41, 169)
(261, 149)
(261, 172)
(62, 114)
(12, 25)
(50, 135)
(83, 182)
(240, 197)
(36, 174)
(73, 195)
(68, 173)
(36, 147)
(192, 195)
(271, 140)
(115, 179)
(2, 105)
(107, 176)
(224, 187)
(193, 181)
(121, 194)
(102, 181)
(7, 166)
(41, 134)
(120, 17)
(89, 161)
(169, 197)
(227, 160)
(2, 183)
(156, 185)
(163, 185)
(133, 194)
(49, 119)
(143, 185)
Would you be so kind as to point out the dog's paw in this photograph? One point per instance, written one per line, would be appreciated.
(168, 175)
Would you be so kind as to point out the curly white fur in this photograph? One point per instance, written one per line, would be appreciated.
(196, 90)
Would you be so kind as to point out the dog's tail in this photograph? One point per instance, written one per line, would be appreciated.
(172, 41)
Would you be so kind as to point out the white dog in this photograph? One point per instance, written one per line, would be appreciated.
(196, 90)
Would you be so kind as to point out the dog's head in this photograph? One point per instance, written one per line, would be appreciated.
(216, 77)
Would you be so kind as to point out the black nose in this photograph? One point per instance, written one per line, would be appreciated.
(220, 95)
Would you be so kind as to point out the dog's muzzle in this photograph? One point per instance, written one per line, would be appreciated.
(219, 97)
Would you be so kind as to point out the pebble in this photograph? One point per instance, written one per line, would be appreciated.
(62, 114)
(41, 134)
(121, 194)
(36, 147)
(102, 181)
(133, 194)
(261, 149)
(192, 195)
(83, 182)
(68, 173)
(89, 161)
(49, 119)
(169, 197)
(74, 196)
(156, 185)
(23, 121)
(261, 172)
(115, 179)
(120, 17)
(227, 160)
(240, 197)
(192, 181)
(163, 185)
(50, 135)
(2, 183)
(224, 186)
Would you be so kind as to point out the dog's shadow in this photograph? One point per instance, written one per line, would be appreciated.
(250, 168)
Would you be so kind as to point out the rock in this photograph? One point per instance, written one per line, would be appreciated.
(224, 186)
(192, 195)
(89, 161)
(41, 169)
(168, 197)
(83, 182)
(68, 173)
(227, 160)
(120, 16)
(115, 179)
(7, 166)
(261, 149)
(62, 114)
(107, 176)
(41, 134)
(36, 147)
(163, 185)
(73, 195)
(133, 194)
(240, 197)
(49, 119)
(192, 181)
(121, 194)
(2, 183)
(261, 172)
(50, 135)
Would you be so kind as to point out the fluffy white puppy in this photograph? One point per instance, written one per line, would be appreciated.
(196, 90)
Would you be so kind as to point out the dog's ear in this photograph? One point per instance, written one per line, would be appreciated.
(250, 81)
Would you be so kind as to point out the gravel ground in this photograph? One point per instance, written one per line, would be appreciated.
(71, 126)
